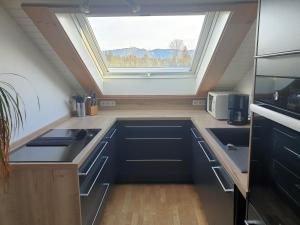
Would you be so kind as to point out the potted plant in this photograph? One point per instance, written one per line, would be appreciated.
(12, 116)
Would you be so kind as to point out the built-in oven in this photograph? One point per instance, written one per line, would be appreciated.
(274, 181)
(280, 94)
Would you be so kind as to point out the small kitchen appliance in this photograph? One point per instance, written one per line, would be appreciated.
(238, 106)
(217, 104)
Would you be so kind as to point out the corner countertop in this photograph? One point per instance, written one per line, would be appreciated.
(201, 119)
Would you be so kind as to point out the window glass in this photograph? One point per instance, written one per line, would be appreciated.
(148, 43)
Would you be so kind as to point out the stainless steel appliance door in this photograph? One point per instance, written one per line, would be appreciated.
(279, 94)
(275, 172)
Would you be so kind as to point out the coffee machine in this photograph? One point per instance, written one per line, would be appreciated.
(238, 105)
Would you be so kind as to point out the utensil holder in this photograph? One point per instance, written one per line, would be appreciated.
(92, 110)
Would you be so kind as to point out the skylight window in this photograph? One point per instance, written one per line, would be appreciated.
(148, 44)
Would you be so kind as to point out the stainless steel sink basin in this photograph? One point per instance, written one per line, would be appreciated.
(235, 143)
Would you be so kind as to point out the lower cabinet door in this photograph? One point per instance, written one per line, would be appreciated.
(110, 171)
(215, 189)
(153, 171)
(92, 203)
(221, 197)
(154, 152)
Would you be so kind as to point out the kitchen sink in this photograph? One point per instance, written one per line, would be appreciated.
(233, 136)
(235, 143)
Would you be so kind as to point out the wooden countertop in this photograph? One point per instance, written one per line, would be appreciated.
(201, 119)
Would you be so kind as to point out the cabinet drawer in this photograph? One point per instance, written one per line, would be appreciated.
(288, 157)
(195, 134)
(287, 137)
(153, 149)
(87, 183)
(112, 133)
(286, 148)
(153, 129)
(154, 171)
(92, 204)
(90, 162)
(209, 155)
(287, 182)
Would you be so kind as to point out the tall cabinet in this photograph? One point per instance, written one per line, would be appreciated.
(277, 65)
(279, 29)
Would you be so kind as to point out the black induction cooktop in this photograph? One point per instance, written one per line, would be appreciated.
(57, 145)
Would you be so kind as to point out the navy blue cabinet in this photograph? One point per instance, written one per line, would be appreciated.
(213, 184)
(154, 151)
(96, 176)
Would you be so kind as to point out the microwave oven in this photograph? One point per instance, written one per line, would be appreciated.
(217, 104)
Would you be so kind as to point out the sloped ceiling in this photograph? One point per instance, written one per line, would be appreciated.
(14, 8)
(241, 63)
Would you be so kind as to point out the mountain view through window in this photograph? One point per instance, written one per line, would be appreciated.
(148, 41)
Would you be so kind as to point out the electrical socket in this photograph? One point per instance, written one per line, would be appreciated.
(198, 102)
(107, 103)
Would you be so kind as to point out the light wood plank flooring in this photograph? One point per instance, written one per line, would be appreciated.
(168, 204)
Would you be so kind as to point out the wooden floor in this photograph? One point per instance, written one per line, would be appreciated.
(153, 205)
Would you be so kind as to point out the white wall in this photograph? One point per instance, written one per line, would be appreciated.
(19, 55)
(241, 64)
(245, 85)
(149, 86)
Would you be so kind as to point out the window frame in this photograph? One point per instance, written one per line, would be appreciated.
(85, 30)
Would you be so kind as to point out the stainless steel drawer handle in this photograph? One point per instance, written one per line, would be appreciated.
(152, 138)
(214, 168)
(154, 160)
(195, 136)
(153, 126)
(205, 153)
(112, 134)
(291, 151)
(80, 173)
(101, 202)
(282, 132)
(253, 222)
(86, 194)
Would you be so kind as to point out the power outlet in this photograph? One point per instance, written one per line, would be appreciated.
(107, 103)
(198, 102)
